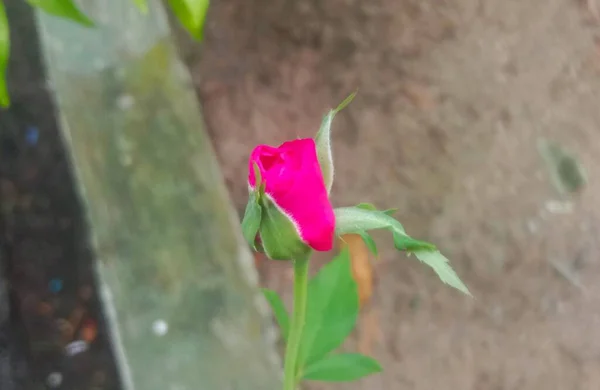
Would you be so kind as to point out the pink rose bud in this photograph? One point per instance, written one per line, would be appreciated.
(289, 211)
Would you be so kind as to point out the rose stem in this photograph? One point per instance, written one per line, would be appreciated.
(297, 325)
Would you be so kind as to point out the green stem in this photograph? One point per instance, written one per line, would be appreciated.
(297, 325)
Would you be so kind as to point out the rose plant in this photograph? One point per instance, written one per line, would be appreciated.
(288, 216)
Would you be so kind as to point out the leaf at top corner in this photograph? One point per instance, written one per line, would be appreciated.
(441, 265)
(191, 15)
(341, 368)
(4, 54)
(63, 8)
(142, 5)
(281, 314)
(332, 309)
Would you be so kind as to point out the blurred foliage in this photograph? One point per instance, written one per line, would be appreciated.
(190, 13)
(63, 9)
(566, 172)
(4, 51)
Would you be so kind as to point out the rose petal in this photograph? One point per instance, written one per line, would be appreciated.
(294, 181)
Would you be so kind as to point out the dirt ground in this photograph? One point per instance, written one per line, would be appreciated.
(454, 97)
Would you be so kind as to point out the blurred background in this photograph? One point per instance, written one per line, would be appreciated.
(478, 119)
(469, 118)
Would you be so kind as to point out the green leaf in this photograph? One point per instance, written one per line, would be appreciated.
(323, 142)
(281, 315)
(389, 212)
(64, 9)
(142, 5)
(358, 220)
(409, 244)
(4, 54)
(191, 15)
(441, 265)
(341, 368)
(332, 309)
(367, 206)
(369, 242)
(371, 206)
(252, 219)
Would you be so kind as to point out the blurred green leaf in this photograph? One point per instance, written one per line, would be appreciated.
(403, 242)
(566, 171)
(367, 206)
(389, 212)
(278, 308)
(369, 242)
(142, 5)
(341, 368)
(332, 309)
(4, 54)
(441, 265)
(64, 9)
(191, 15)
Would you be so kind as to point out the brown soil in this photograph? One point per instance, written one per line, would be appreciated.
(453, 99)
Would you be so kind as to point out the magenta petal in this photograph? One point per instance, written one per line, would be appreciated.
(295, 183)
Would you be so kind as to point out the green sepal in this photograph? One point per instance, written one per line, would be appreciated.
(252, 219)
(279, 236)
(259, 185)
(253, 214)
(323, 142)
